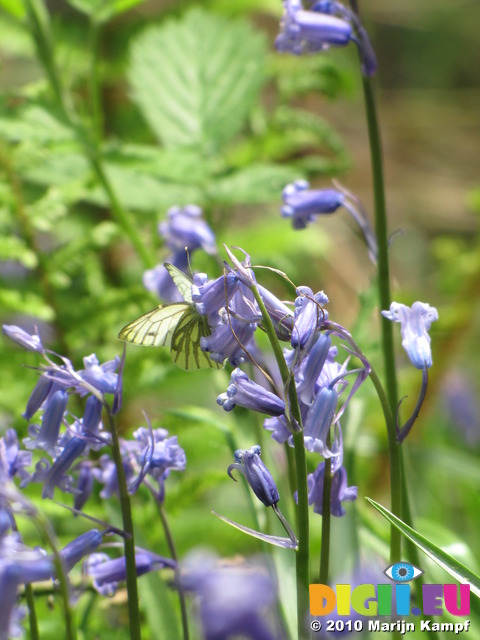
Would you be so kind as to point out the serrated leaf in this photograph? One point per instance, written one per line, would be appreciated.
(33, 123)
(253, 184)
(444, 560)
(196, 79)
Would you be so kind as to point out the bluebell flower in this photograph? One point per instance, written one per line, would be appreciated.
(80, 547)
(210, 296)
(184, 231)
(319, 419)
(13, 461)
(340, 492)
(250, 465)
(307, 31)
(106, 573)
(311, 368)
(40, 393)
(415, 323)
(29, 342)
(83, 487)
(185, 228)
(279, 428)
(280, 314)
(46, 437)
(156, 454)
(249, 394)
(229, 339)
(302, 204)
(56, 474)
(234, 600)
(361, 39)
(308, 315)
(159, 281)
(326, 24)
(106, 474)
(100, 376)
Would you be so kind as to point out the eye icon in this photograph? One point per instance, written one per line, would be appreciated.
(403, 572)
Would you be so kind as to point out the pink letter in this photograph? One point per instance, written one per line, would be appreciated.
(451, 599)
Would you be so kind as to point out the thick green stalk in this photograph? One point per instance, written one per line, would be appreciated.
(129, 539)
(303, 534)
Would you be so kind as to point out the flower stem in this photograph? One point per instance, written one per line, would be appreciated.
(383, 275)
(32, 614)
(40, 29)
(173, 553)
(326, 517)
(129, 540)
(302, 554)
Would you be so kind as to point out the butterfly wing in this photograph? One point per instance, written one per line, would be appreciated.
(155, 328)
(185, 348)
(181, 280)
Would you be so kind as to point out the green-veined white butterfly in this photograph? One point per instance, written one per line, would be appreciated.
(177, 325)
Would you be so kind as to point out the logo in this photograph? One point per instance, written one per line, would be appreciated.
(390, 599)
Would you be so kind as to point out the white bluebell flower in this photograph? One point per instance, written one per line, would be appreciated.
(415, 323)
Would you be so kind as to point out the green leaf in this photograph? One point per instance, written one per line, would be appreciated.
(103, 10)
(196, 79)
(444, 560)
(141, 192)
(13, 248)
(253, 184)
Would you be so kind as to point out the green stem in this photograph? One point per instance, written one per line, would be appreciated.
(129, 539)
(32, 614)
(326, 517)
(44, 525)
(94, 81)
(39, 25)
(173, 553)
(302, 554)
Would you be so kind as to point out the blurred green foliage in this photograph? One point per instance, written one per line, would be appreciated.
(187, 102)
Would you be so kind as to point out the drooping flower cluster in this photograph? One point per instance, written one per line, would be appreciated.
(184, 232)
(325, 24)
(319, 381)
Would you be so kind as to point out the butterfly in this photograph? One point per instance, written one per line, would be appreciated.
(177, 325)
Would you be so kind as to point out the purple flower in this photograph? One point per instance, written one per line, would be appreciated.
(308, 315)
(319, 419)
(30, 342)
(233, 600)
(339, 490)
(100, 376)
(13, 461)
(107, 573)
(361, 39)
(40, 393)
(249, 394)
(311, 368)
(83, 487)
(302, 204)
(185, 228)
(307, 31)
(159, 281)
(82, 546)
(249, 464)
(415, 323)
(46, 437)
(210, 296)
